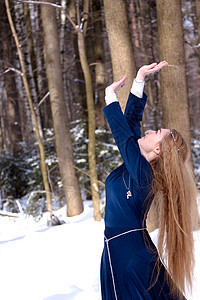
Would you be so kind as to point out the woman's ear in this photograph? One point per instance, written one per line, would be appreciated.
(157, 149)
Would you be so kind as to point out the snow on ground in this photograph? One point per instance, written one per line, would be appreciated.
(57, 263)
(50, 263)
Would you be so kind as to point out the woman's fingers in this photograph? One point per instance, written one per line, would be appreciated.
(163, 63)
(122, 81)
(156, 67)
(149, 69)
(116, 85)
(151, 65)
(143, 71)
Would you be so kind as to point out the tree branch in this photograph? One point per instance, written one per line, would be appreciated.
(76, 27)
(192, 45)
(39, 2)
(11, 69)
(41, 101)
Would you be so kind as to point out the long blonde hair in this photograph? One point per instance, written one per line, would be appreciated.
(175, 192)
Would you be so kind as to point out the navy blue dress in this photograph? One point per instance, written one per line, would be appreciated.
(128, 259)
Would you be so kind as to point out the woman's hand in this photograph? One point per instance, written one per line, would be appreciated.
(116, 85)
(149, 69)
(142, 72)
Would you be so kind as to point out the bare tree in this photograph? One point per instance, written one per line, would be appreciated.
(33, 114)
(99, 63)
(120, 45)
(192, 58)
(10, 108)
(175, 112)
(197, 8)
(59, 111)
(91, 114)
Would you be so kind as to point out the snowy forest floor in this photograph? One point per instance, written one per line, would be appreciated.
(60, 262)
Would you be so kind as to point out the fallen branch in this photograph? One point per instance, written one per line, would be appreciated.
(9, 214)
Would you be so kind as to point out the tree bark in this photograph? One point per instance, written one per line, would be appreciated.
(99, 64)
(192, 58)
(91, 123)
(173, 81)
(120, 45)
(59, 112)
(175, 111)
(31, 57)
(11, 111)
(31, 48)
(197, 8)
(75, 87)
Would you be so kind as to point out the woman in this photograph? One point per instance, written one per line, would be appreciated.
(154, 166)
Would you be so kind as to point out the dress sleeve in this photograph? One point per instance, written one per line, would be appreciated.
(133, 113)
(125, 138)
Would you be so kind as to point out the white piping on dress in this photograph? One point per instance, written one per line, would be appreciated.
(109, 257)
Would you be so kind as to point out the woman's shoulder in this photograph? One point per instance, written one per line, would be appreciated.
(115, 173)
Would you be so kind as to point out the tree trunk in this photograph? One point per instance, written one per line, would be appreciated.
(197, 8)
(59, 112)
(99, 64)
(11, 110)
(75, 87)
(31, 48)
(120, 45)
(175, 112)
(33, 78)
(192, 58)
(91, 125)
(34, 118)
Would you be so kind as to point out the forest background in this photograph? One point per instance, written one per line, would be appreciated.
(56, 59)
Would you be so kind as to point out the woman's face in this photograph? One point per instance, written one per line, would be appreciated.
(150, 142)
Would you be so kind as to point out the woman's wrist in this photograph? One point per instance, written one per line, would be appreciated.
(137, 88)
(140, 77)
(109, 91)
(139, 80)
(110, 97)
